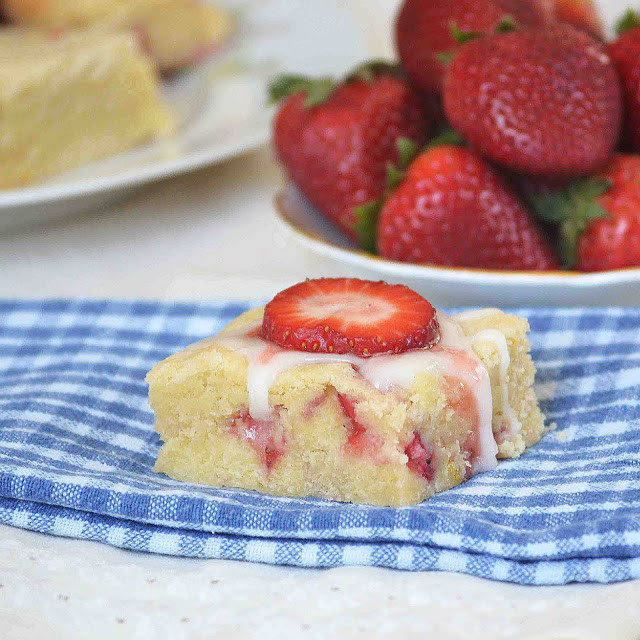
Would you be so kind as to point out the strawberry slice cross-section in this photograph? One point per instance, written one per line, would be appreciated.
(347, 315)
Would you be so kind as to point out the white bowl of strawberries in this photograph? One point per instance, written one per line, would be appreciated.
(495, 163)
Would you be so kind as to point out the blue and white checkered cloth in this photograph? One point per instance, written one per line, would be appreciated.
(77, 448)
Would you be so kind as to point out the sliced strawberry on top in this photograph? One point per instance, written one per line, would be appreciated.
(347, 315)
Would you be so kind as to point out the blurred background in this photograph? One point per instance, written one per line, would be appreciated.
(122, 229)
(191, 214)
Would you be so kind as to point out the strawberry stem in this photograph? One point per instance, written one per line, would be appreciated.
(630, 20)
(572, 210)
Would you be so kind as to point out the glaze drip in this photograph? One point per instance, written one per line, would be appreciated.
(453, 358)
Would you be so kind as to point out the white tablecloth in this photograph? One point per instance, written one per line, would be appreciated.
(213, 235)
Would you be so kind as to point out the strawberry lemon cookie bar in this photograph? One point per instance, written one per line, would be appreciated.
(349, 390)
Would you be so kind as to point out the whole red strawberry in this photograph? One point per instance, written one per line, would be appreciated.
(598, 218)
(336, 142)
(582, 14)
(424, 30)
(538, 101)
(625, 53)
(453, 209)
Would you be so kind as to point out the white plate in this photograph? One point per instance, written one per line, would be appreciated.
(220, 105)
(449, 286)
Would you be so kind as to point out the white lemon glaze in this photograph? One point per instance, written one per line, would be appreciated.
(453, 357)
(497, 337)
(500, 342)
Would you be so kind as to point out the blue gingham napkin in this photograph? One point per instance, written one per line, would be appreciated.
(77, 448)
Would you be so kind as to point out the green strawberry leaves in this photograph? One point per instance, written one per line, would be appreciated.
(630, 20)
(446, 137)
(571, 210)
(318, 90)
(460, 37)
(445, 57)
(368, 213)
(407, 150)
(506, 25)
(369, 71)
(367, 223)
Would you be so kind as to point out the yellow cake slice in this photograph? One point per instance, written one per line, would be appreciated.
(175, 33)
(68, 99)
(237, 410)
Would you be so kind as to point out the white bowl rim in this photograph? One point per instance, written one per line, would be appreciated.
(284, 207)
